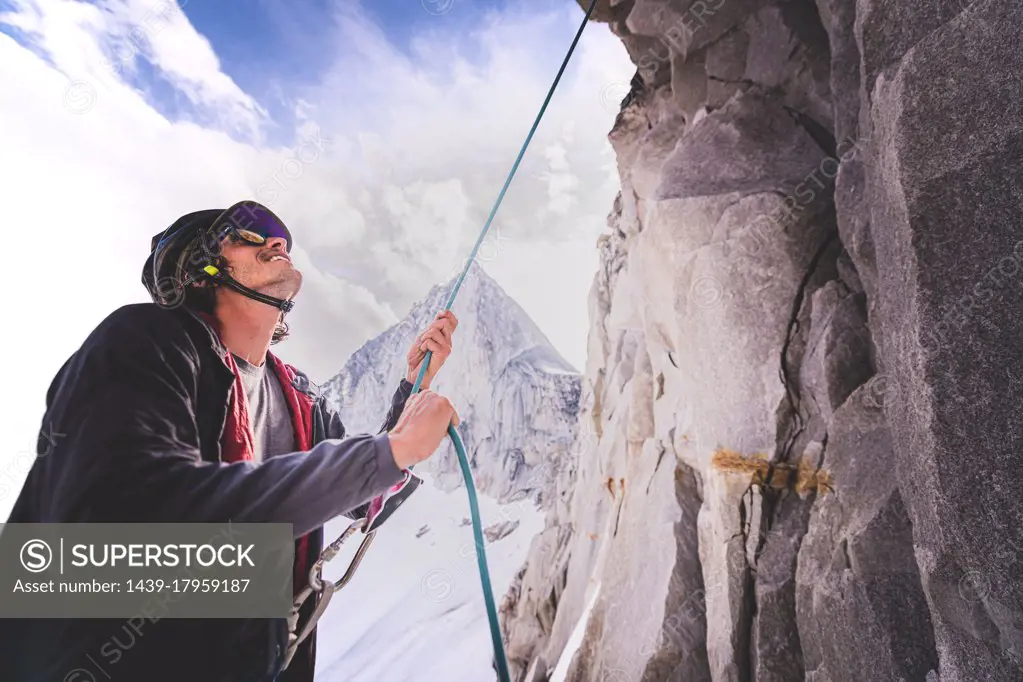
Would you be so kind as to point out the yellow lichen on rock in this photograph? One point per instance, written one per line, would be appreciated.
(801, 477)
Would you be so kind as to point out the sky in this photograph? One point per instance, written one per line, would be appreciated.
(381, 132)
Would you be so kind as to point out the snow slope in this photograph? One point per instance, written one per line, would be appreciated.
(414, 610)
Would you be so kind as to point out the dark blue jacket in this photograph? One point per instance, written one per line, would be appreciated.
(140, 408)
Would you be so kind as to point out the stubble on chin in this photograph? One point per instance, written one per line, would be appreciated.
(285, 286)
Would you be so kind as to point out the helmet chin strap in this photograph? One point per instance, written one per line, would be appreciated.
(283, 304)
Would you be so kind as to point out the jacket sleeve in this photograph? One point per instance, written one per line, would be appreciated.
(401, 395)
(131, 451)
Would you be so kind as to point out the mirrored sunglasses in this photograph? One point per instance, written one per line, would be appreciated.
(248, 222)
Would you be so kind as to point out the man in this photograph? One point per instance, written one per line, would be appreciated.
(177, 411)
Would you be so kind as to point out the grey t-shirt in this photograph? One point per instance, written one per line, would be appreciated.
(269, 416)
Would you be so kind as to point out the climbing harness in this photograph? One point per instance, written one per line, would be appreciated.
(400, 492)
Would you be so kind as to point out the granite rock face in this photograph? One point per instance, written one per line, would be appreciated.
(798, 449)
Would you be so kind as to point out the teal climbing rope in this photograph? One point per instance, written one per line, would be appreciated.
(477, 525)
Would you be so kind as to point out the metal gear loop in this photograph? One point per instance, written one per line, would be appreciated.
(325, 589)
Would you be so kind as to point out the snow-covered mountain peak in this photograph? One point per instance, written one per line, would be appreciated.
(516, 396)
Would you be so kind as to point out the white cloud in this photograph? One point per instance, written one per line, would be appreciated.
(98, 46)
(393, 169)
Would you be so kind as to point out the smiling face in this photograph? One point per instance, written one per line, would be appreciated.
(267, 268)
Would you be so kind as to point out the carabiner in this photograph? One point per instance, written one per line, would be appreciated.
(326, 589)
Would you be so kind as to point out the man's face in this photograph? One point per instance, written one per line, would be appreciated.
(267, 268)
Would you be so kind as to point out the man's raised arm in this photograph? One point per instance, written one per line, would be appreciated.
(130, 451)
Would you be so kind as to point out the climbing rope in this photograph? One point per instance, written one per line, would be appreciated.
(463, 461)
(477, 525)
